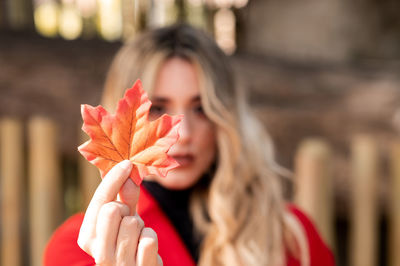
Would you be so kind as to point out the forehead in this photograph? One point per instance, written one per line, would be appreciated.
(177, 78)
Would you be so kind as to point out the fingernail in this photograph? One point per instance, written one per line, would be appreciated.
(126, 165)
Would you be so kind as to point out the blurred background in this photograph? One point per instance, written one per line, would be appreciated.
(323, 76)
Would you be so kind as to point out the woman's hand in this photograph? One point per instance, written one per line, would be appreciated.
(112, 232)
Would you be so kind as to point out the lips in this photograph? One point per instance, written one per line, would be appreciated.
(184, 160)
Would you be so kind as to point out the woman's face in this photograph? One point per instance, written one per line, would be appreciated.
(177, 91)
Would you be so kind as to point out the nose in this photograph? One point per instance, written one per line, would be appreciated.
(185, 131)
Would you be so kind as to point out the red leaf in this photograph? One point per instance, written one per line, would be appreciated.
(129, 135)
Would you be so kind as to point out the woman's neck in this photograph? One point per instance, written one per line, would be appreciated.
(175, 204)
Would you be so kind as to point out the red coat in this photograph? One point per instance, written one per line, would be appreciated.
(62, 249)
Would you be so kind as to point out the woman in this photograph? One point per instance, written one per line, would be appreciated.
(222, 206)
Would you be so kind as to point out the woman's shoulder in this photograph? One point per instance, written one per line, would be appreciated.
(62, 248)
(320, 253)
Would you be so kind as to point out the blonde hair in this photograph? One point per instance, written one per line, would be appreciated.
(242, 213)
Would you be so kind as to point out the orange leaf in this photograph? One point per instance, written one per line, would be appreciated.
(129, 135)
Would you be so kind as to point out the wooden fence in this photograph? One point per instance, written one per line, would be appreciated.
(31, 188)
(314, 193)
(32, 199)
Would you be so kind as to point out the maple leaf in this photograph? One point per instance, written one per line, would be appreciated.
(128, 134)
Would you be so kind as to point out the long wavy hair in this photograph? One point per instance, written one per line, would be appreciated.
(241, 213)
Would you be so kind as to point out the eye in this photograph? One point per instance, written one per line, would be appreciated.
(157, 110)
(199, 110)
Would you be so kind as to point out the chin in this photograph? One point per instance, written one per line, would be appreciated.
(176, 184)
(178, 181)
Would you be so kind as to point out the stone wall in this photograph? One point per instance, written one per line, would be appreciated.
(51, 78)
(327, 31)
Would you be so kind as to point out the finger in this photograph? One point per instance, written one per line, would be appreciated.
(105, 192)
(129, 195)
(159, 261)
(147, 252)
(108, 224)
(128, 238)
(108, 189)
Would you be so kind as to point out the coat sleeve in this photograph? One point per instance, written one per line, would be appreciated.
(62, 248)
(320, 253)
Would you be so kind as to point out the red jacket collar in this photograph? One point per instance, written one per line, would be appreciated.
(171, 247)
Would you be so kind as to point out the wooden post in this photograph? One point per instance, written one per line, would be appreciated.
(129, 17)
(11, 184)
(89, 176)
(314, 186)
(44, 180)
(394, 218)
(364, 173)
(20, 14)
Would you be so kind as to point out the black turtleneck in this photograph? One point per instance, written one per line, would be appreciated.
(175, 204)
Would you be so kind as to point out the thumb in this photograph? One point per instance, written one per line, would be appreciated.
(129, 195)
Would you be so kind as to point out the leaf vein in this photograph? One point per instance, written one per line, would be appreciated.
(130, 134)
(108, 138)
